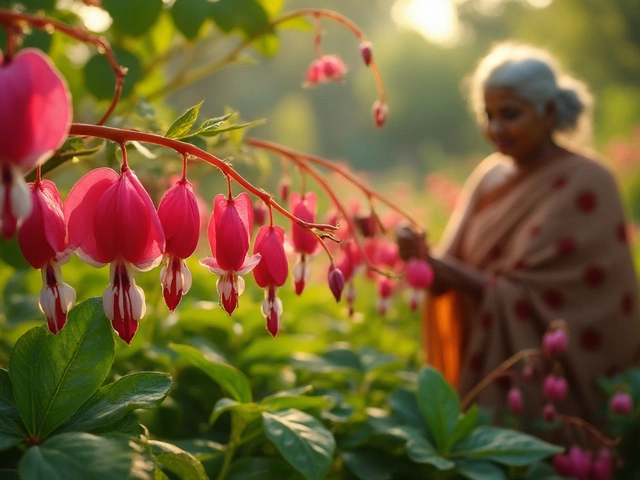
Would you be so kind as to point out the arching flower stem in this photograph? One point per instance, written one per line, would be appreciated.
(120, 135)
(11, 18)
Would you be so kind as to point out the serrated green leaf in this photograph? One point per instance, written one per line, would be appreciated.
(302, 440)
(246, 411)
(189, 15)
(181, 127)
(79, 456)
(52, 376)
(133, 17)
(479, 470)
(439, 404)
(230, 378)
(182, 463)
(110, 403)
(507, 447)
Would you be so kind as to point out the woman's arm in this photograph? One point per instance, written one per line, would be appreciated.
(450, 273)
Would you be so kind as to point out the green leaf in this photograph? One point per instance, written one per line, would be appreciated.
(404, 405)
(439, 404)
(296, 398)
(260, 468)
(248, 16)
(247, 411)
(100, 78)
(211, 124)
(113, 401)
(202, 449)
(133, 17)
(11, 254)
(127, 425)
(480, 470)
(212, 132)
(420, 450)
(53, 376)
(80, 456)
(504, 446)
(302, 440)
(6, 474)
(182, 463)
(189, 15)
(230, 378)
(181, 127)
(465, 426)
(7, 402)
(10, 433)
(369, 464)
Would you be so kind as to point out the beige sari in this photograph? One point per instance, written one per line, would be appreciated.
(554, 241)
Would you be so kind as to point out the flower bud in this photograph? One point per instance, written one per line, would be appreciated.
(555, 388)
(621, 403)
(380, 111)
(366, 50)
(555, 343)
(514, 400)
(259, 213)
(336, 282)
(549, 412)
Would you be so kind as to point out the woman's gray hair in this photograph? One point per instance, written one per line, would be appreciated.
(534, 75)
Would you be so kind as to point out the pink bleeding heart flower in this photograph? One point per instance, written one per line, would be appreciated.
(349, 261)
(35, 115)
(112, 220)
(555, 388)
(562, 465)
(271, 272)
(385, 291)
(621, 403)
(555, 343)
(380, 112)
(515, 401)
(229, 236)
(603, 468)
(366, 51)
(43, 241)
(581, 461)
(549, 412)
(336, 282)
(180, 219)
(325, 68)
(304, 243)
(419, 276)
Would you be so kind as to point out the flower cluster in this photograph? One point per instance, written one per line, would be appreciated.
(582, 464)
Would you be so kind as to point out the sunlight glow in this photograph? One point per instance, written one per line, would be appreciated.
(436, 20)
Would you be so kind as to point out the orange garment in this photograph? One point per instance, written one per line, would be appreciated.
(553, 239)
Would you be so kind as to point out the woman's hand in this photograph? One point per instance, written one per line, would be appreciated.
(451, 273)
(411, 243)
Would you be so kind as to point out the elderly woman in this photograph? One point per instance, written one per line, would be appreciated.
(538, 235)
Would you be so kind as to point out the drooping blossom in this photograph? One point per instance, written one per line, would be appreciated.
(366, 51)
(555, 388)
(419, 276)
(385, 291)
(35, 115)
(260, 212)
(326, 68)
(380, 111)
(112, 220)
(348, 262)
(621, 403)
(603, 468)
(180, 219)
(43, 241)
(555, 343)
(336, 282)
(229, 235)
(549, 412)
(581, 462)
(304, 243)
(515, 401)
(562, 465)
(271, 272)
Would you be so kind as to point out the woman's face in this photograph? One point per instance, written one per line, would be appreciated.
(513, 125)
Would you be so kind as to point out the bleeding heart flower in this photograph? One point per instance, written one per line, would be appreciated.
(385, 290)
(514, 400)
(581, 461)
(419, 277)
(43, 241)
(336, 282)
(349, 261)
(271, 272)
(112, 220)
(555, 343)
(35, 115)
(305, 244)
(325, 68)
(229, 235)
(621, 403)
(180, 218)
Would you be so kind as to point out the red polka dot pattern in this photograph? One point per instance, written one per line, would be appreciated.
(559, 183)
(586, 202)
(627, 303)
(565, 246)
(594, 276)
(553, 299)
(523, 310)
(590, 339)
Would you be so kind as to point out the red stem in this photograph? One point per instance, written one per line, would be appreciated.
(10, 18)
(120, 135)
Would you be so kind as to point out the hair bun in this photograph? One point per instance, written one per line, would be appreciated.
(572, 100)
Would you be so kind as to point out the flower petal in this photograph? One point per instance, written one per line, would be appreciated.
(180, 219)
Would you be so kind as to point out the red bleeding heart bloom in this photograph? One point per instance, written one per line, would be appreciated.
(385, 290)
(35, 115)
(304, 243)
(180, 218)
(229, 235)
(43, 241)
(348, 263)
(271, 272)
(419, 277)
(112, 220)
(325, 68)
